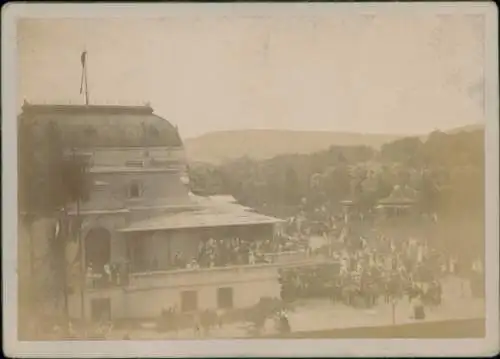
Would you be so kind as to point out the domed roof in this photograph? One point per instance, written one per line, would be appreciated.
(104, 126)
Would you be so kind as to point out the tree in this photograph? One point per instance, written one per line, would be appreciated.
(291, 186)
(49, 182)
(429, 193)
(435, 150)
(336, 182)
(447, 170)
(29, 199)
(404, 150)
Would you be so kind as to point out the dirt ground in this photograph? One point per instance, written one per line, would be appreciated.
(314, 315)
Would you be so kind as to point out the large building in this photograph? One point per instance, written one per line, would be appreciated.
(142, 229)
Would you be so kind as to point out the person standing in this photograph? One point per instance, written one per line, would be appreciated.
(90, 276)
(418, 308)
(394, 303)
(107, 271)
(197, 325)
(284, 322)
(251, 257)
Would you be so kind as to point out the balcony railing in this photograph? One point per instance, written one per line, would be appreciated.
(195, 276)
(286, 257)
(104, 281)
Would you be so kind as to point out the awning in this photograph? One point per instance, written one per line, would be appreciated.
(199, 219)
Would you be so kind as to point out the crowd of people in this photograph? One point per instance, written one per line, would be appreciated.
(361, 277)
(211, 253)
(110, 274)
(368, 266)
(234, 251)
(364, 267)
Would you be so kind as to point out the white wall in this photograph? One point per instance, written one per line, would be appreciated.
(116, 296)
(149, 303)
(149, 294)
(158, 188)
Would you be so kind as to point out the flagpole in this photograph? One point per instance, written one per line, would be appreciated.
(84, 77)
(86, 86)
(81, 82)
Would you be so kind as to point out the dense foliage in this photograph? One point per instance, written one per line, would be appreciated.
(446, 170)
(51, 178)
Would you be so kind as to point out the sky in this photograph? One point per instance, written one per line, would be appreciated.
(384, 73)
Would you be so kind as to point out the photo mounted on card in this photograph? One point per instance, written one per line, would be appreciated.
(223, 180)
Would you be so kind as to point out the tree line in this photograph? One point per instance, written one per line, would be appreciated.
(445, 170)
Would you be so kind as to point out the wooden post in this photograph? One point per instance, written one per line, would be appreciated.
(63, 262)
(83, 268)
(393, 311)
(84, 81)
(33, 307)
(169, 249)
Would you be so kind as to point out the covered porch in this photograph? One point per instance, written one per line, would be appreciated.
(192, 240)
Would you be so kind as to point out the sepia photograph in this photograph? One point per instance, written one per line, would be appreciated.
(246, 174)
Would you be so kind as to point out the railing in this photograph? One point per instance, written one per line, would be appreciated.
(286, 257)
(263, 258)
(103, 281)
(205, 276)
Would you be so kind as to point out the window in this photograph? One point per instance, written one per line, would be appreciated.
(189, 301)
(225, 298)
(134, 190)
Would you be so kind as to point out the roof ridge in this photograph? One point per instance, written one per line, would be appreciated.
(43, 108)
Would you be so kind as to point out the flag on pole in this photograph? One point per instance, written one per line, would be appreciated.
(83, 59)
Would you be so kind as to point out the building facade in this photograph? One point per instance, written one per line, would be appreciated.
(141, 220)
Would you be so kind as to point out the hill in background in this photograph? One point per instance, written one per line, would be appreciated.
(467, 128)
(217, 147)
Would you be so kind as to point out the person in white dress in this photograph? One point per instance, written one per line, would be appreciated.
(107, 271)
(251, 258)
